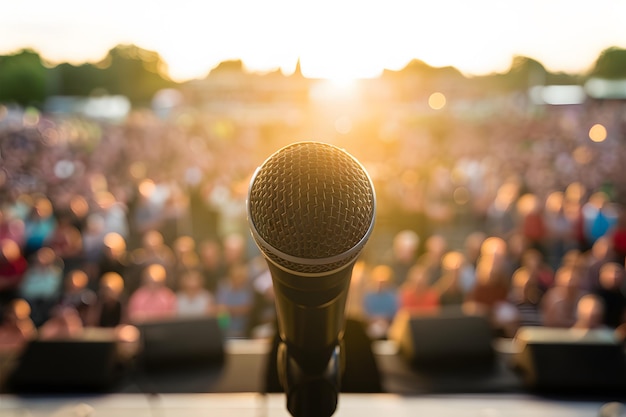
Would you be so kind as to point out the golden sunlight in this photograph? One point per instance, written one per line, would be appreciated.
(335, 90)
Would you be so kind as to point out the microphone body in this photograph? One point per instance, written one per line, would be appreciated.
(311, 209)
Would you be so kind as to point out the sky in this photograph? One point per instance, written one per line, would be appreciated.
(337, 39)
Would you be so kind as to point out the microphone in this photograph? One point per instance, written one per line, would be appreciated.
(311, 209)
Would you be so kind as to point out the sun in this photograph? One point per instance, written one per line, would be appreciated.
(335, 89)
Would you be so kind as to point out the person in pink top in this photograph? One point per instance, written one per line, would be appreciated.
(153, 300)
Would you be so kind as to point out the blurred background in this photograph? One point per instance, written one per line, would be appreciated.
(129, 132)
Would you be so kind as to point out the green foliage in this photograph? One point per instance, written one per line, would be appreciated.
(524, 73)
(135, 73)
(23, 78)
(611, 64)
(70, 80)
(127, 70)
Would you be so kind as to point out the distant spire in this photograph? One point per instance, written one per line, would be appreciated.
(298, 71)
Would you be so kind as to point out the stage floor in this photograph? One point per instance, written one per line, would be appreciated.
(273, 405)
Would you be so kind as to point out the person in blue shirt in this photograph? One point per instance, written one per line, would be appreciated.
(380, 301)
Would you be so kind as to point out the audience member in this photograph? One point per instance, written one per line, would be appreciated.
(436, 247)
(234, 250)
(589, 313)
(192, 299)
(115, 256)
(449, 285)
(600, 254)
(11, 227)
(113, 212)
(109, 309)
(516, 245)
(498, 251)
(234, 299)
(416, 295)
(525, 296)
(471, 250)
(17, 328)
(599, 216)
(211, 263)
(559, 229)
(541, 274)
(153, 300)
(185, 258)
(41, 285)
(262, 317)
(152, 251)
(533, 225)
(356, 291)
(77, 295)
(611, 295)
(67, 243)
(559, 303)
(618, 237)
(489, 295)
(147, 213)
(93, 246)
(64, 323)
(13, 265)
(380, 301)
(39, 225)
(403, 254)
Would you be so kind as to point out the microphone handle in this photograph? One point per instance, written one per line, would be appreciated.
(310, 395)
(311, 314)
(311, 323)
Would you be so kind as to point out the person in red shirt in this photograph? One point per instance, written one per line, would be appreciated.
(12, 268)
(489, 295)
(618, 238)
(416, 295)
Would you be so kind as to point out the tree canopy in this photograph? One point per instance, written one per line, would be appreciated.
(127, 69)
(611, 64)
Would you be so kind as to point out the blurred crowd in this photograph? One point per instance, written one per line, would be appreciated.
(517, 216)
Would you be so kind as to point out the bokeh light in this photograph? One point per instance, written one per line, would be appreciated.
(437, 101)
(582, 155)
(597, 133)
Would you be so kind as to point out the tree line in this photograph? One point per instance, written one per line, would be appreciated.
(27, 80)
(137, 73)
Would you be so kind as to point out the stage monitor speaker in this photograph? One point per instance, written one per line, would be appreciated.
(181, 342)
(570, 360)
(67, 366)
(448, 341)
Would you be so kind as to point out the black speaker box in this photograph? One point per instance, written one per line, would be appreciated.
(449, 341)
(67, 366)
(181, 342)
(570, 360)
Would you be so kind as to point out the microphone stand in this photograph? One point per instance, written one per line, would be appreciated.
(311, 380)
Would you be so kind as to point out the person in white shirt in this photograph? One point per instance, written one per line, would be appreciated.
(193, 298)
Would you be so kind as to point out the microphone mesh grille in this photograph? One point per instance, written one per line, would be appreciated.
(311, 200)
